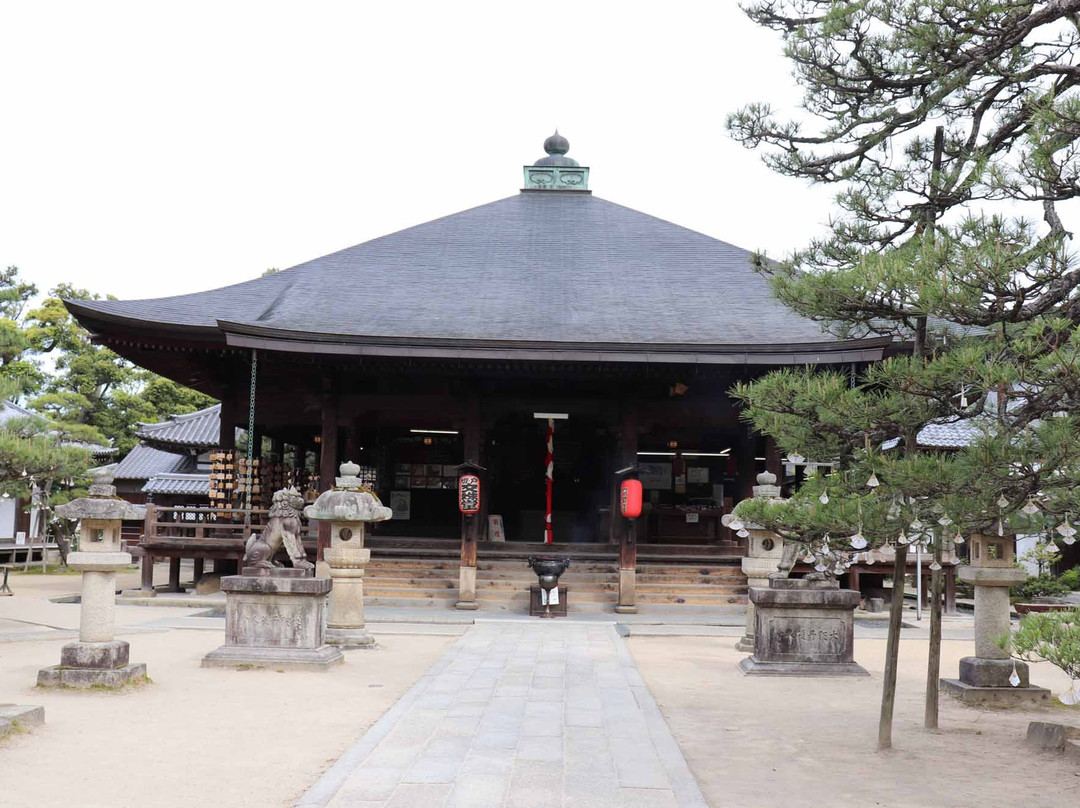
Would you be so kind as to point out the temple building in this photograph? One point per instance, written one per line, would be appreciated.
(469, 337)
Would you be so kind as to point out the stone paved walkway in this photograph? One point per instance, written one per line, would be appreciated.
(518, 714)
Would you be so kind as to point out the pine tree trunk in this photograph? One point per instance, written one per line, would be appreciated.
(892, 650)
(933, 668)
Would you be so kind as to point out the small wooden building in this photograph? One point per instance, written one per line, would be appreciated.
(455, 339)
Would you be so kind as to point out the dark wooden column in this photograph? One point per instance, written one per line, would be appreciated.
(328, 458)
(747, 467)
(471, 529)
(628, 457)
(627, 528)
(229, 411)
(774, 459)
(353, 440)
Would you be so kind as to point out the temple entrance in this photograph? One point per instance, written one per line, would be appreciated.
(583, 464)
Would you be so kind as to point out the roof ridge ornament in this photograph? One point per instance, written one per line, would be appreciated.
(556, 172)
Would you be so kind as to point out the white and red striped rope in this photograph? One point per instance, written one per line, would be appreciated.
(550, 474)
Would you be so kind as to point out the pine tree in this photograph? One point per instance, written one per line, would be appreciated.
(950, 131)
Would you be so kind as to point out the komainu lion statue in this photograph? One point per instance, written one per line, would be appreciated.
(282, 527)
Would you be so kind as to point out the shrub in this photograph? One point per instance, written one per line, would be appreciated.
(1071, 579)
(1040, 586)
(1053, 636)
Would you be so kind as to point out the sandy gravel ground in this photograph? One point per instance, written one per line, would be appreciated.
(760, 742)
(205, 737)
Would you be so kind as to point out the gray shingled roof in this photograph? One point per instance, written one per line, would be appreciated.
(195, 429)
(143, 462)
(189, 484)
(567, 269)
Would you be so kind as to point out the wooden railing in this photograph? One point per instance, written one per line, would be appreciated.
(207, 523)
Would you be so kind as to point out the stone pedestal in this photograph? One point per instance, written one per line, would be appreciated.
(984, 678)
(275, 619)
(627, 592)
(345, 626)
(97, 659)
(348, 506)
(467, 589)
(803, 628)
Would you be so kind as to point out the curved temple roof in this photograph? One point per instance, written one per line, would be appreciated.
(537, 275)
(200, 429)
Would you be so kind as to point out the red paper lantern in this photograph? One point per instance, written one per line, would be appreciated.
(469, 494)
(630, 498)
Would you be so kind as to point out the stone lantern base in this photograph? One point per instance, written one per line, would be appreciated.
(986, 682)
(96, 659)
(275, 619)
(93, 664)
(803, 628)
(984, 678)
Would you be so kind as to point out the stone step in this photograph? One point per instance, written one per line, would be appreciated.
(410, 577)
(689, 569)
(605, 586)
(409, 593)
(692, 588)
(413, 563)
(679, 580)
(714, 600)
(522, 596)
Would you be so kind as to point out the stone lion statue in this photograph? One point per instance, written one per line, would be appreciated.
(282, 527)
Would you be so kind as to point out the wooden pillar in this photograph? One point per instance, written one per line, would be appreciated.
(353, 440)
(229, 411)
(774, 459)
(174, 575)
(146, 584)
(747, 469)
(471, 529)
(328, 459)
(256, 439)
(950, 590)
(627, 527)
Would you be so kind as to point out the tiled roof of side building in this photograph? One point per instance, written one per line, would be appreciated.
(195, 429)
(143, 462)
(177, 484)
(559, 269)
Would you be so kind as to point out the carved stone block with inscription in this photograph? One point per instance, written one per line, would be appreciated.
(803, 628)
(275, 621)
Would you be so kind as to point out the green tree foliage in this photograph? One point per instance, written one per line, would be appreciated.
(950, 132)
(1043, 555)
(1050, 636)
(70, 380)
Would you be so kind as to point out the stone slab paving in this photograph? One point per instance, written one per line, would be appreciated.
(530, 714)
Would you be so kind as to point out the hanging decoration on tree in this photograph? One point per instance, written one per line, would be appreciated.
(1067, 531)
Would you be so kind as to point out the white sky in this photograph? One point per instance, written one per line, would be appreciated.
(151, 149)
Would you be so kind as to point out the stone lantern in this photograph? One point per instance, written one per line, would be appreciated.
(347, 507)
(763, 556)
(97, 658)
(987, 677)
